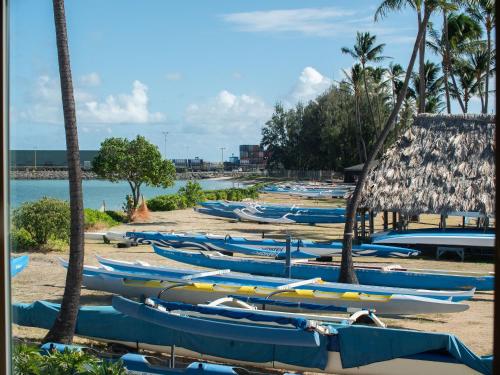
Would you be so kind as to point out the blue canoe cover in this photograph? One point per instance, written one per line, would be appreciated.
(233, 314)
(364, 345)
(104, 322)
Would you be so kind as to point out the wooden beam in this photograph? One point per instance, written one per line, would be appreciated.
(394, 220)
(386, 220)
(371, 221)
(363, 223)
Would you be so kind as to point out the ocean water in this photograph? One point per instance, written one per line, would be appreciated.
(97, 191)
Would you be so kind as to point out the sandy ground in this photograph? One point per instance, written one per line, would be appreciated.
(44, 278)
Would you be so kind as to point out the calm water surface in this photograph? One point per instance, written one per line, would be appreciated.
(97, 191)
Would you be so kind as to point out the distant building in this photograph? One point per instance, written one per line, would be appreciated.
(252, 157)
(195, 164)
(48, 158)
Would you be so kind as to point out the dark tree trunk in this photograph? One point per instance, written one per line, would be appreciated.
(360, 131)
(347, 274)
(421, 70)
(446, 62)
(368, 97)
(64, 326)
(455, 86)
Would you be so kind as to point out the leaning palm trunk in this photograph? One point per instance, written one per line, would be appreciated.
(64, 326)
(347, 274)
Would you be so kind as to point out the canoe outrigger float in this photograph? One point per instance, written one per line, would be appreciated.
(161, 326)
(392, 276)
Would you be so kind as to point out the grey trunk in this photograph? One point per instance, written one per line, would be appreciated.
(487, 84)
(446, 61)
(64, 326)
(421, 71)
(347, 274)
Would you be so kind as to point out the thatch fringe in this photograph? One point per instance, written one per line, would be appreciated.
(443, 163)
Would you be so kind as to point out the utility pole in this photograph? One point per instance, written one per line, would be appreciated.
(165, 137)
(222, 157)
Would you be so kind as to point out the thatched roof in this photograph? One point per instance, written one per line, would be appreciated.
(443, 163)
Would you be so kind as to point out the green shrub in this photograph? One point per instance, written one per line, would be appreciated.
(118, 216)
(44, 219)
(27, 360)
(192, 192)
(221, 194)
(96, 218)
(21, 240)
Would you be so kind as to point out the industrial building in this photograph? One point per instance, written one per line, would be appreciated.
(55, 159)
(252, 157)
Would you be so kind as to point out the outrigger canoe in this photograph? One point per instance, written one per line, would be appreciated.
(290, 295)
(266, 246)
(391, 276)
(457, 237)
(382, 350)
(226, 276)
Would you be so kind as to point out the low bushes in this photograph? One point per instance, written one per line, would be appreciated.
(192, 193)
(45, 224)
(27, 360)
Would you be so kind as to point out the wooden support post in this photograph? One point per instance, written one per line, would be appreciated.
(394, 220)
(463, 221)
(372, 225)
(363, 223)
(386, 220)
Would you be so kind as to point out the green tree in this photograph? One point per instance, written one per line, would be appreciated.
(138, 162)
(347, 274)
(433, 88)
(366, 51)
(484, 12)
(64, 325)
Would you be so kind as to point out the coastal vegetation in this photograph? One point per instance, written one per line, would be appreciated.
(45, 224)
(340, 127)
(137, 161)
(192, 193)
(27, 360)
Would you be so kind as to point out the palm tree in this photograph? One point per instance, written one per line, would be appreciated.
(468, 85)
(394, 72)
(480, 62)
(433, 88)
(64, 326)
(347, 274)
(365, 51)
(395, 5)
(484, 11)
(459, 33)
(353, 82)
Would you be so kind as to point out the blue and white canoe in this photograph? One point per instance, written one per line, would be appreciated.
(288, 218)
(458, 237)
(191, 286)
(391, 276)
(384, 350)
(18, 264)
(265, 246)
(273, 210)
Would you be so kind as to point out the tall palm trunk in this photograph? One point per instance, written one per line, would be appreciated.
(446, 61)
(347, 274)
(368, 96)
(64, 326)
(487, 84)
(359, 131)
(421, 69)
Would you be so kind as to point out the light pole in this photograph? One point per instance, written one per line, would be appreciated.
(165, 137)
(222, 156)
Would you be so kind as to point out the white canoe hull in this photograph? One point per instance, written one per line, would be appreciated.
(456, 240)
(395, 305)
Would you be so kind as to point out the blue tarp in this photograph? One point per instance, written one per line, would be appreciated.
(104, 322)
(381, 344)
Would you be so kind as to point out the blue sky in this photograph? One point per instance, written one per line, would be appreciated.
(206, 72)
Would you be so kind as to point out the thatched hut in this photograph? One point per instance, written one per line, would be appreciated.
(442, 164)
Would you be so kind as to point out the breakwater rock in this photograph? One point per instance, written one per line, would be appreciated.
(47, 174)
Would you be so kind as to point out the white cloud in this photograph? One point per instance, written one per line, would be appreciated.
(227, 112)
(310, 84)
(45, 105)
(312, 21)
(91, 79)
(173, 76)
(124, 108)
